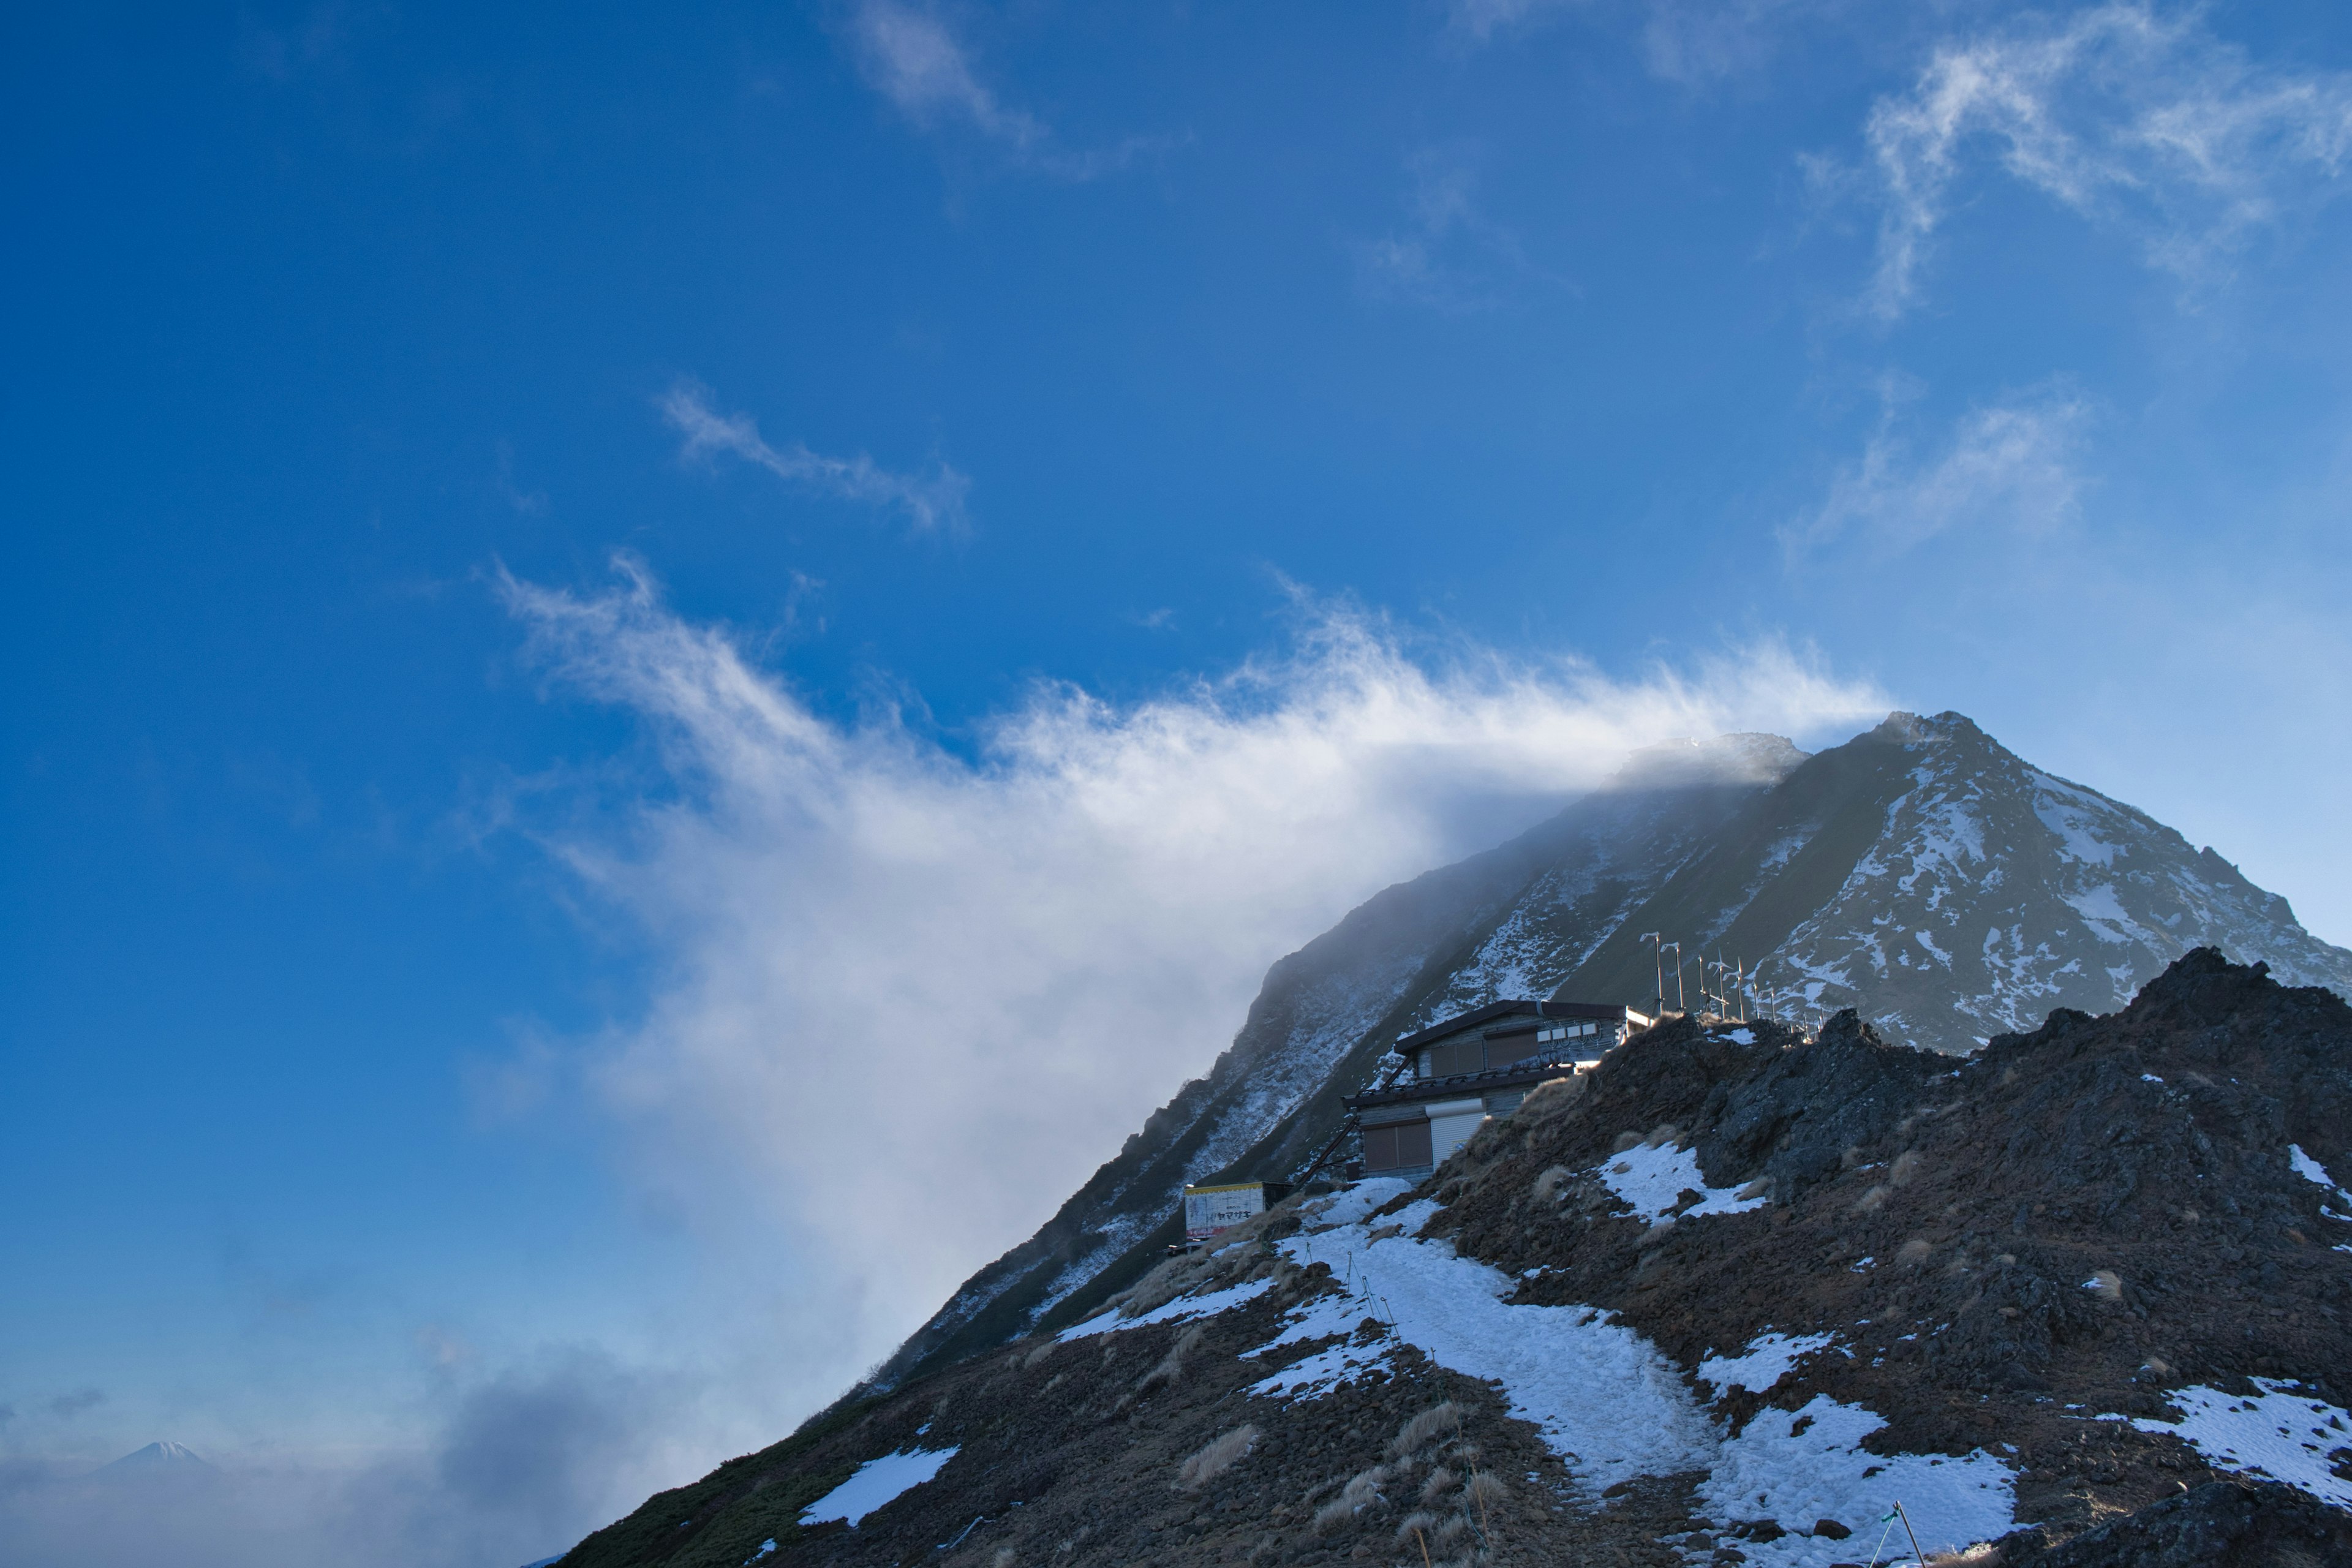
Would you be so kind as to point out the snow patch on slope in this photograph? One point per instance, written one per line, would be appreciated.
(2281, 1433)
(1182, 1309)
(875, 1483)
(1650, 1181)
(1798, 1467)
(1614, 1406)
(1770, 1358)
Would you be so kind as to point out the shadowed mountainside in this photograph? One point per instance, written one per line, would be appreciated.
(1723, 1299)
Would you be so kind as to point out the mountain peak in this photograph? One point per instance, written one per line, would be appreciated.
(164, 1456)
(1918, 886)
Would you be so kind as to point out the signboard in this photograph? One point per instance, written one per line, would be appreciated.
(1208, 1210)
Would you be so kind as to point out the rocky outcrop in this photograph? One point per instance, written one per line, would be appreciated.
(2078, 1300)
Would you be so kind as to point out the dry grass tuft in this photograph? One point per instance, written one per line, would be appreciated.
(1216, 1457)
(1421, 1522)
(2107, 1285)
(1172, 1365)
(1873, 1201)
(1484, 1491)
(1625, 1140)
(1548, 1186)
(1757, 1188)
(1363, 1491)
(1665, 1132)
(1913, 1251)
(1425, 1428)
(1044, 1350)
(1906, 1166)
(1441, 1481)
(1548, 1099)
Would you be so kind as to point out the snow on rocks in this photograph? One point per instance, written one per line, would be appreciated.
(1770, 1357)
(2288, 1437)
(1651, 1180)
(1181, 1310)
(1549, 1360)
(875, 1483)
(1798, 1467)
(1614, 1407)
(2311, 1170)
(1325, 1317)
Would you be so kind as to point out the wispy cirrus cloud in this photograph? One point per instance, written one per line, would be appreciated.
(910, 55)
(2010, 464)
(929, 500)
(1687, 41)
(2124, 113)
(1448, 254)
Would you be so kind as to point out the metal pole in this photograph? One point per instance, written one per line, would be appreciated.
(1917, 1555)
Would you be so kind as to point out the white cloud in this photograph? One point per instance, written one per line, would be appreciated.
(2008, 465)
(2122, 113)
(910, 55)
(908, 1000)
(929, 500)
(911, 59)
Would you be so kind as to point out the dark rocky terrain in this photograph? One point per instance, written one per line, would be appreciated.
(2080, 1299)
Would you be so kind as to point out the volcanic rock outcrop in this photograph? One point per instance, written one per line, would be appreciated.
(2078, 1300)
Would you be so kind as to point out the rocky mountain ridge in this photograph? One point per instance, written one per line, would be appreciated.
(1921, 874)
(2079, 1299)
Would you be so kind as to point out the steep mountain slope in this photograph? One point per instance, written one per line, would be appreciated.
(1514, 917)
(1920, 873)
(1726, 1299)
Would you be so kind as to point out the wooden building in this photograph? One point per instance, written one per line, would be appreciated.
(1480, 1064)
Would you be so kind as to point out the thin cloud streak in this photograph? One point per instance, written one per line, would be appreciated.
(2010, 465)
(910, 55)
(910, 1000)
(1446, 255)
(1692, 42)
(2124, 114)
(931, 501)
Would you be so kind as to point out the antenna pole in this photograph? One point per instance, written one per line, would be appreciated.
(1918, 1556)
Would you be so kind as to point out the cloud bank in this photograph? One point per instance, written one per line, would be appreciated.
(521, 1464)
(2124, 113)
(907, 999)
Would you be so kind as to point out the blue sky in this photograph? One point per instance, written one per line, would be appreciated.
(585, 577)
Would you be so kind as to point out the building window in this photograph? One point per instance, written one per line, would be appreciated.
(1449, 1060)
(1399, 1146)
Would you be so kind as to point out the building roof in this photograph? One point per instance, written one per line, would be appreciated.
(1495, 1011)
